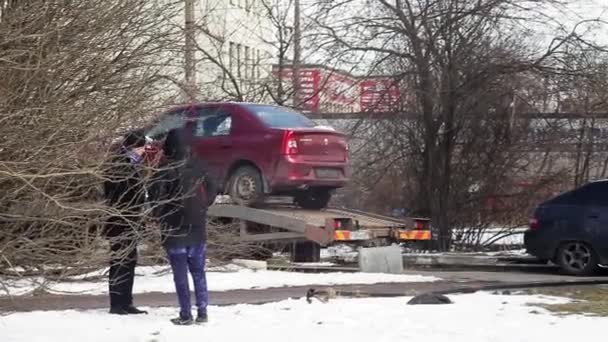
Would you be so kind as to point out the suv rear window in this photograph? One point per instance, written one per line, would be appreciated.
(281, 117)
(595, 193)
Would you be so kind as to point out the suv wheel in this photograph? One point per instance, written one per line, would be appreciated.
(314, 199)
(577, 258)
(246, 187)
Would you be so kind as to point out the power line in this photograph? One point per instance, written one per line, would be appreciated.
(296, 53)
(190, 43)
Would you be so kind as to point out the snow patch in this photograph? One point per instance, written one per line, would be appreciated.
(479, 317)
(160, 279)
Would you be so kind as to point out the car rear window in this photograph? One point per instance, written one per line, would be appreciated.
(281, 117)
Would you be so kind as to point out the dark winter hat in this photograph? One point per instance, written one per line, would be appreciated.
(135, 138)
(176, 146)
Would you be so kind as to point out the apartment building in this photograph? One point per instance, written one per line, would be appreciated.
(235, 51)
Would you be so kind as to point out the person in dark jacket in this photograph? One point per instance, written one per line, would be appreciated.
(181, 192)
(125, 194)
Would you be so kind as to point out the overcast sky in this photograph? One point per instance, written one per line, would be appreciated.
(546, 24)
(580, 10)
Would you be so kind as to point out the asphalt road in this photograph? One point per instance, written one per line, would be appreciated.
(451, 279)
(524, 275)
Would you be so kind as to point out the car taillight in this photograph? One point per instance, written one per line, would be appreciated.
(344, 144)
(534, 223)
(290, 144)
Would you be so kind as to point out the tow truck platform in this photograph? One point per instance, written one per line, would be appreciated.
(287, 223)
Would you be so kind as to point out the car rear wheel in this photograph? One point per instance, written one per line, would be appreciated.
(314, 199)
(577, 258)
(246, 187)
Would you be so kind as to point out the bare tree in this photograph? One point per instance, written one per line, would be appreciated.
(74, 75)
(280, 15)
(465, 69)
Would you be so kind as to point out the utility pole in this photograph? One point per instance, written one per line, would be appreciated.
(190, 61)
(296, 54)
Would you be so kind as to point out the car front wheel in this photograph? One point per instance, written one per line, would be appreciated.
(577, 258)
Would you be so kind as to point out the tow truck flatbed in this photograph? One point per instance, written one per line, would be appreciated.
(321, 226)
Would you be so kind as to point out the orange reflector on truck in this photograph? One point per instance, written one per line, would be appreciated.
(341, 235)
(414, 234)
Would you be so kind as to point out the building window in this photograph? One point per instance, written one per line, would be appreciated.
(247, 63)
(238, 60)
(231, 61)
(258, 65)
(253, 63)
(287, 33)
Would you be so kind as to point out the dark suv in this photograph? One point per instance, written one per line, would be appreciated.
(572, 229)
(257, 150)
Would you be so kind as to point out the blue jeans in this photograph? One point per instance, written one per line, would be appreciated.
(183, 259)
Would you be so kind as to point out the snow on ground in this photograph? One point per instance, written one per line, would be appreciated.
(499, 235)
(159, 279)
(316, 264)
(513, 252)
(340, 251)
(479, 317)
(491, 236)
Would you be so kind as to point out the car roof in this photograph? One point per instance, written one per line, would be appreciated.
(169, 109)
(216, 103)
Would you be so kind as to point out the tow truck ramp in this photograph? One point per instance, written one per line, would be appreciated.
(323, 227)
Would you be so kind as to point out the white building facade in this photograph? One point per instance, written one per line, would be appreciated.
(235, 51)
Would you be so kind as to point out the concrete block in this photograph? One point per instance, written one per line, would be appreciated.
(381, 259)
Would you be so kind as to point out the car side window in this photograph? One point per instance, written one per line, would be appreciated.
(216, 124)
(167, 123)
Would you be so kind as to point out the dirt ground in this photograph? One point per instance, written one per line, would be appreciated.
(589, 300)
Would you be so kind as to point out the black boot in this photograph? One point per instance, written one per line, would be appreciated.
(202, 318)
(118, 311)
(182, 320)
(132, 310)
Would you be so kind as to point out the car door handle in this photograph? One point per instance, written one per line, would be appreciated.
(593, 216)
(226, 146)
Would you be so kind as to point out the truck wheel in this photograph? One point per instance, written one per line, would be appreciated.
(577, 258)
(246, 186)
(306, 251)
(313, 199)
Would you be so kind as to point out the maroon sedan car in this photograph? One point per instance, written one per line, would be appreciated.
(258, 150)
